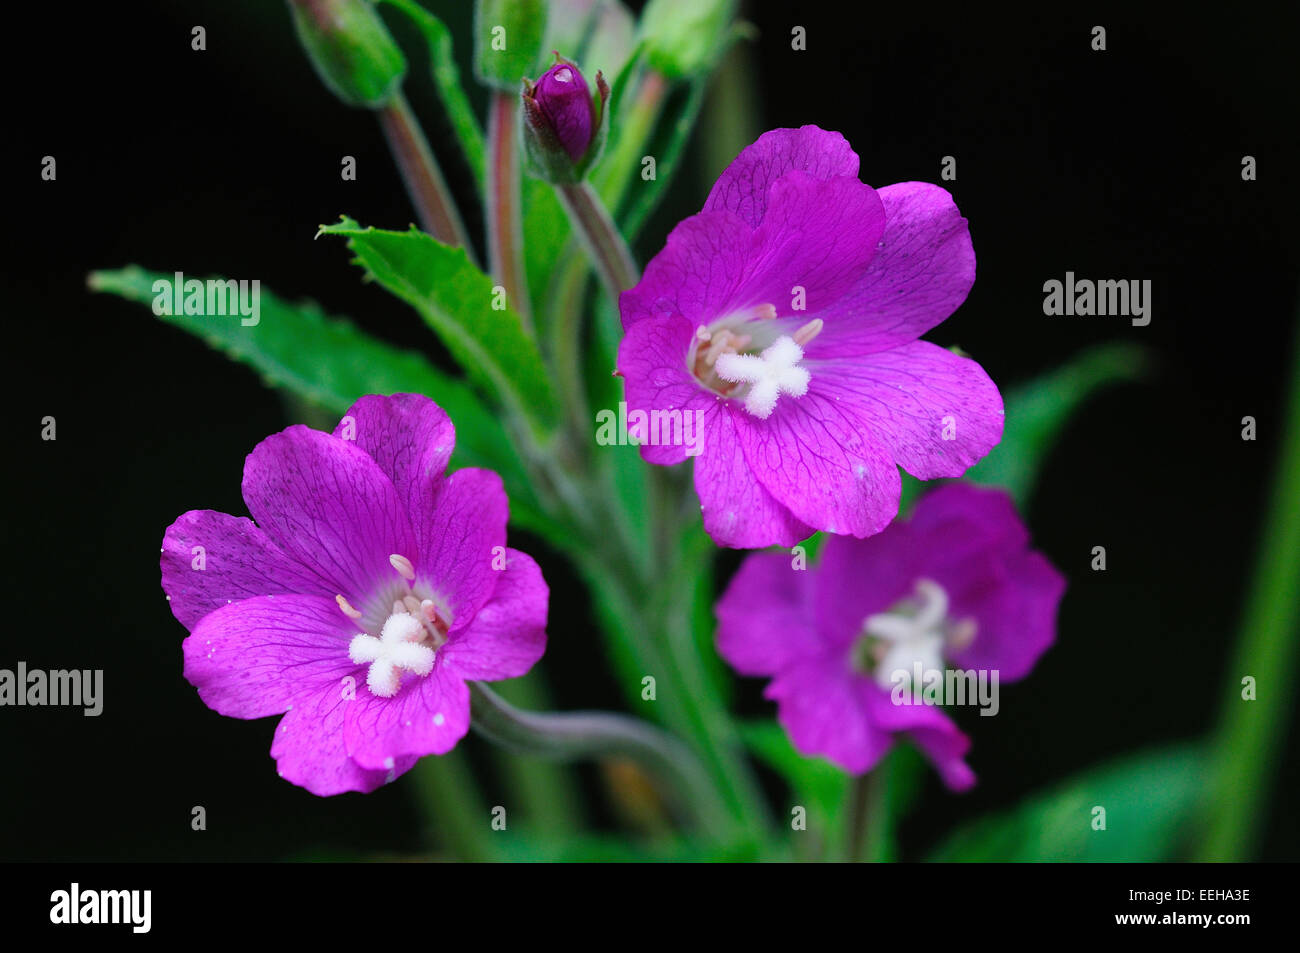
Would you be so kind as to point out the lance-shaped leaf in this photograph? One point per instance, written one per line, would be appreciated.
(1138, 809)
(1038, 411)
(482, 332)
(330, 362)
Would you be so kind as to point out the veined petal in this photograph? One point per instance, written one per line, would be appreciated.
(921, 273)
(309, 749)
(325, 502)
(738, 510)
(937, 413)
(699, 273)
(411, 439)
(467, 524)
(652, 360)
(817, 457)
(428, 715)
(508, 635)
(258, 656)
(744, 186)
(210, 559)
(766, 616)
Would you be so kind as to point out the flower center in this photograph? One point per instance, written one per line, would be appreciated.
(747, 355)
(916, 630)
(408, 639)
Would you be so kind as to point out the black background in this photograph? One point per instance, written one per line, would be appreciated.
(1117, 164)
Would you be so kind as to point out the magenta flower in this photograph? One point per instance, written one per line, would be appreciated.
(369, 589)
(956, 585)
(564, 101)
(785, 317)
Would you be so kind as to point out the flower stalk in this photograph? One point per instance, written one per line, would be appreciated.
(593, 734)
(600, 237)
(424, 180)
(505, 205)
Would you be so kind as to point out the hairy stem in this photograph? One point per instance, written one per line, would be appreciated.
(424, 182)
(505, 205)
(591, 734)
(598, 234)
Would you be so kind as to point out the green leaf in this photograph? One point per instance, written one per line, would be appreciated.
(1149, 799)
(330, 362)
(670, 138)
(447, 79)
(507, 40)
(547, 233)
(1037, 412)
(597, 848)
(813, 781)
(455, 299)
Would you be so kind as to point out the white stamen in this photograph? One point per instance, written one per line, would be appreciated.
(808, 332)
(403, 566)
(346, 606)
(774, 372)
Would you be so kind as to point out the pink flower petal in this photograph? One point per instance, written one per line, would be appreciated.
(428, 715)
(325, 502)
(743, 188)
(922, 272)
(508, 635)
(309, 749)
(820, 459)
(465, 529)
(738, 509)
(765, 618)
(238, 561)
(937, 413)
(254, 658)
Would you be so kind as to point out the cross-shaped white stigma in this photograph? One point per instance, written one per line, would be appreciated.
(398, 648)
(914, 638)
(774, 372)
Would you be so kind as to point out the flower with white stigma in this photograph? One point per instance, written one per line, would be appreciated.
(786, 316)
(366, 594)
(774, 372)
(954, 586)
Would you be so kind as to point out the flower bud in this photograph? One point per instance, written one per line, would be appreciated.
(564, 124)
(683, 37)
(351, 50)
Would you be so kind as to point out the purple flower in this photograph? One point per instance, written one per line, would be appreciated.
(785, 318)
(955, 585)
(369, 589)
(562, 97)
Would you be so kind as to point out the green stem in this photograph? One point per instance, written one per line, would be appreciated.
(455, 814)
(505, 205)
(598, 234)
(424, 181)
(573, 735)
(1246, 745)
(866, 830)
(549, 792)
